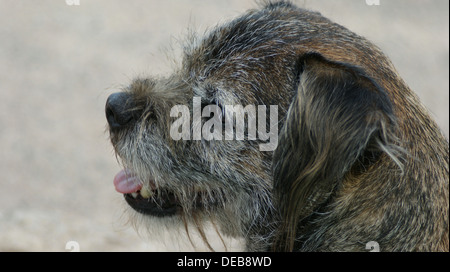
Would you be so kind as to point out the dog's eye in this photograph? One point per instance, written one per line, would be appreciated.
(204, 104)
(215, 103)
(212, 103)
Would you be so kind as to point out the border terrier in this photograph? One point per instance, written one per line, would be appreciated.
(357, 160)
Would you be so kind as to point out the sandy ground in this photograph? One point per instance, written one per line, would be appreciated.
(58, 64)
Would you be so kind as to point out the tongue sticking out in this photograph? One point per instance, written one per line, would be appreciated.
(126, 183)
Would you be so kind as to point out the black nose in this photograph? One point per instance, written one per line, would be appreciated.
(119, 110)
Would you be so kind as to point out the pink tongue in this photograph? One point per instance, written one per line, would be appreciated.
(125, 182)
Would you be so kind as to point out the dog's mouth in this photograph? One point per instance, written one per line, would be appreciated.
(160, 205)
(149, 200)
(145, 199)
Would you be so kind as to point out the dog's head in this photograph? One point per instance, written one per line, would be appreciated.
(333, 118)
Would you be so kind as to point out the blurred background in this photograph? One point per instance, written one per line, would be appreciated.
(59, 62)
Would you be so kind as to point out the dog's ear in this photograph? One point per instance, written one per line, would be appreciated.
(340, 117)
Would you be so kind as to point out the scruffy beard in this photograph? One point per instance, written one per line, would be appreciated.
(175, 233)
(207, 210)
(201, 219)
(193, 222)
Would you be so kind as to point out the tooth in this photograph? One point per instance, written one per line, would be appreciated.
(146, 193)
(134, 195)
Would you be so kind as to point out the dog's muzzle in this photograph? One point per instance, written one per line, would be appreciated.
(120, 113)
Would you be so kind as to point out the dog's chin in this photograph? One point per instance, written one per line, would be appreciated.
(165, 206)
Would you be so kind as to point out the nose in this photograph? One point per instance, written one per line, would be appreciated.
(119, 110)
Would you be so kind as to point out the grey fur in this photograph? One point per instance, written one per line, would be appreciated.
(358, 159)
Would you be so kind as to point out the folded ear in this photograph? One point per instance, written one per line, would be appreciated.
(339, 118)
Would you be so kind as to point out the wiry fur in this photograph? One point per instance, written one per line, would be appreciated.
(358, 157)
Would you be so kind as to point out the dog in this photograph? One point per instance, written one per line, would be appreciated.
(357, 159)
